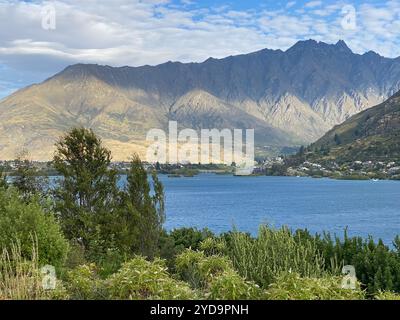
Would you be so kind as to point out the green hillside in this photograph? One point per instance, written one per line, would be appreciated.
(372, 135)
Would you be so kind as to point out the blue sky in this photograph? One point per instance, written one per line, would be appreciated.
(137, 32)
(257, 4)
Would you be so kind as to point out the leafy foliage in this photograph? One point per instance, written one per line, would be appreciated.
(230, 286)
(84, 283)
(24, 222)
(140, 279)
(142, 213)
(86, 194)
(377, 267)
(213, 246)
(111, 224)
(387, 296)
(274, 252)
(290, 286)
(190, 237)
(25, 179)
(197, 269)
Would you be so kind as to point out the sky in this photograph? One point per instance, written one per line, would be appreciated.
(40, 38)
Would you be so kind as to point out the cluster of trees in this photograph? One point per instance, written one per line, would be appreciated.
(97, 217)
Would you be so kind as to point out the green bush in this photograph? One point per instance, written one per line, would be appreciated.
(197, 269)
(291, 286)
(76, 256)
(274, 252)
(175, 242)
(83, 283)
(387, 296)
(231, 286)
(186, 266)
(377, 266)
(185, 238)
(140, 279)
(27, 222)
(214, 265)
(213, 246)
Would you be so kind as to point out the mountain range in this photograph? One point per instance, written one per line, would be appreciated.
(290, 98)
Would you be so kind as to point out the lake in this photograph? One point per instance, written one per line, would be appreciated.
(221, 202)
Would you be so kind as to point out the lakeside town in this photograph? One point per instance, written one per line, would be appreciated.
(275, 166)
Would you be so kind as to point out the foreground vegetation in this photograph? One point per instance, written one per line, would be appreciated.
(217, 270)
(108, 243)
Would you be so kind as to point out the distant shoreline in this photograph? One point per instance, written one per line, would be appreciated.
(224, 174)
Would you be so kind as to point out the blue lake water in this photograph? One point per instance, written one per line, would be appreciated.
(221, 202)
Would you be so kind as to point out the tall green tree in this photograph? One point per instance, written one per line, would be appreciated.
(94, 211)
(87, 192)
(144, 206)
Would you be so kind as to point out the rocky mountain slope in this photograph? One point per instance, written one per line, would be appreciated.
(372, 135)
(290, 98)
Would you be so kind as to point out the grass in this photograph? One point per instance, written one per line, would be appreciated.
(21, 279)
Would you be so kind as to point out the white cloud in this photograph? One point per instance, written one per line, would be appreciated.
(313, 4)
(290, 4)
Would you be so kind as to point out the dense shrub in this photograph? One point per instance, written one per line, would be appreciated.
(83, 283)
(229, 285)
(291, 286)
(167, 248)
(175, 242)
(185, 238)
(197, 269)
(76, 256)
(187, 267)
(26, 177)
(213, 246)
(387, 296)
(140, 279)
(377, 266)
(274, 252)
(26, 222)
